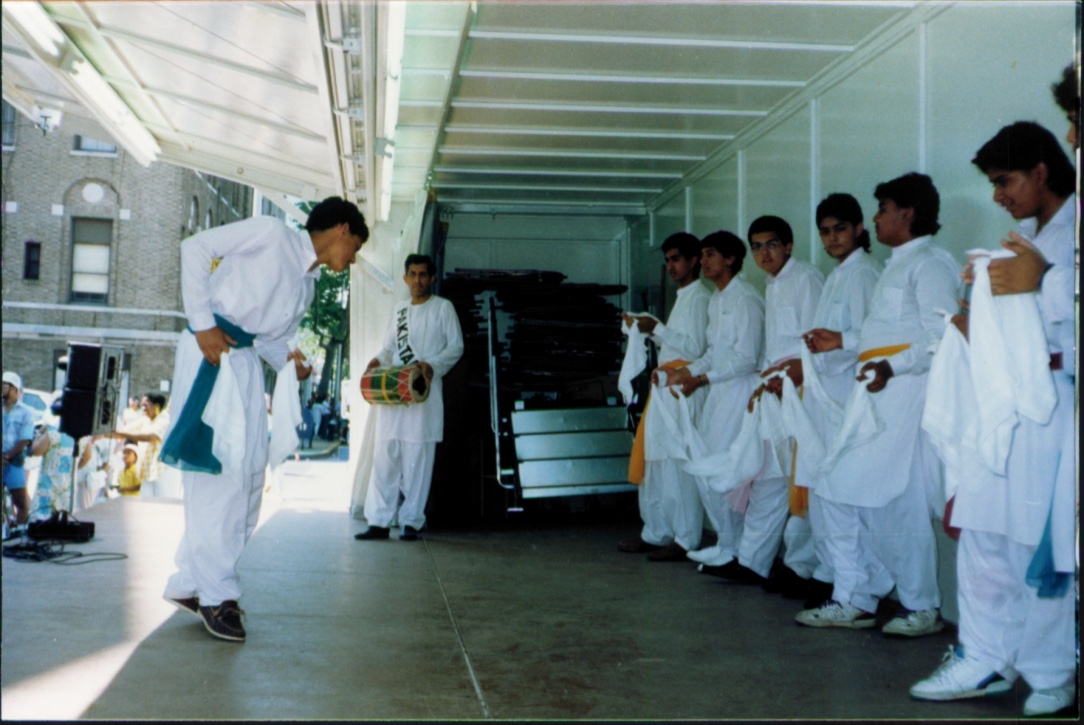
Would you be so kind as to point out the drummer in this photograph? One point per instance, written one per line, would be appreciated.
(424, 332)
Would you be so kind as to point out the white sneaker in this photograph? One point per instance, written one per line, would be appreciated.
(1048, 702)
(914, 624)
(836, 614)
(959, 677)
(712, 556)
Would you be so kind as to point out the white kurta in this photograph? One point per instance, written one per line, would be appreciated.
(406, 436)
(436, 339)
(669, 502)
(685, 334)
(263, 284)
(843, 305)
(1003, 623)
(919, 284)
(790, 301)
(883, 486)
(735, 345)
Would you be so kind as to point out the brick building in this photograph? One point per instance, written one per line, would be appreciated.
(91, 247)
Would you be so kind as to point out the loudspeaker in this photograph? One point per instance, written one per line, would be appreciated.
(92, 390)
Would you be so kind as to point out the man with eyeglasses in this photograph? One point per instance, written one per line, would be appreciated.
(881, 482)
(792, 291)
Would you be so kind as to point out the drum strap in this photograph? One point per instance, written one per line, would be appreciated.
(402, 337)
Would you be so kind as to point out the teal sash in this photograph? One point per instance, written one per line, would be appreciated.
(1041, 574)
(188, 445)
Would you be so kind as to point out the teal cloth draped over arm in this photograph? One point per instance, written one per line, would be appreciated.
(188, 445)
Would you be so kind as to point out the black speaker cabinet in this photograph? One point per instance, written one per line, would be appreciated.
(91, 399)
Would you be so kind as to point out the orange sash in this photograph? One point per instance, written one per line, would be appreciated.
(797, 496)
(637, 464)
(882, 352)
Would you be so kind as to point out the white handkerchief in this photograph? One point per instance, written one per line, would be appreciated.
(286, 407)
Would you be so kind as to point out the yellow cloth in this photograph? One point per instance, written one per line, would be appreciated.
(797, 496)
(129, 482)
(637, 464)
(882, 352)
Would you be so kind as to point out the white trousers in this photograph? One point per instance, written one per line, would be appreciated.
(800, 553)
(765, 518)
(872, 549)
(670, 506)
(1003, 623)
(724, 519)
(220, 514)
(399, 466)
(815, 519)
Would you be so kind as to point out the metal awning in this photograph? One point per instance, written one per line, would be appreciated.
(601, 106)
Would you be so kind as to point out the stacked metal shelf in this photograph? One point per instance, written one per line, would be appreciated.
(552, 351)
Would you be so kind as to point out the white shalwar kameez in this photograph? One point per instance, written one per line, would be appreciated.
(1003, 622)
(407, 436)
(843, 306)
(790, 299)
(263, 284)
(735, 339)
(880, 533)
(669, 502)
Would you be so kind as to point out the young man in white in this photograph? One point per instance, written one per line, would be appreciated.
(249, 302)
(669, 502)
(1013, 621)
(424, 332)
(792, 291)
(843, 305)
(881, 530)
(735, 343)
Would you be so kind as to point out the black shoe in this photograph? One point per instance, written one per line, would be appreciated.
(373, 532)
(819, 593)
(787, 582)
(775, 577)
(671, 552)
(185, 604)
(733, 571)
(636, 546)
(408, 533)
(224, 621)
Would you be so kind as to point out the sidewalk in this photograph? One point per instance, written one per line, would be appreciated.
(320, 449)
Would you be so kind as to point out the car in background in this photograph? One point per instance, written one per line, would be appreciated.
(40, 404)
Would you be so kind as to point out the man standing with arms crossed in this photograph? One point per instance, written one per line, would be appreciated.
(250, 302)
(669, 502)
(423, 332)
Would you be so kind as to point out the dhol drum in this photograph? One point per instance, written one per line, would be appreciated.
(394, 385)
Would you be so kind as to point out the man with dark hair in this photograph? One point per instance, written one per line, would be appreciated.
(669, 502)
(880, 481)
(1012, 619)
(735, 343)
(1067, 95)
(843, 305)
(250, 302)
(792, 291)
(424, 332)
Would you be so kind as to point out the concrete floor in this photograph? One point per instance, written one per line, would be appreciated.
(539, 619)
